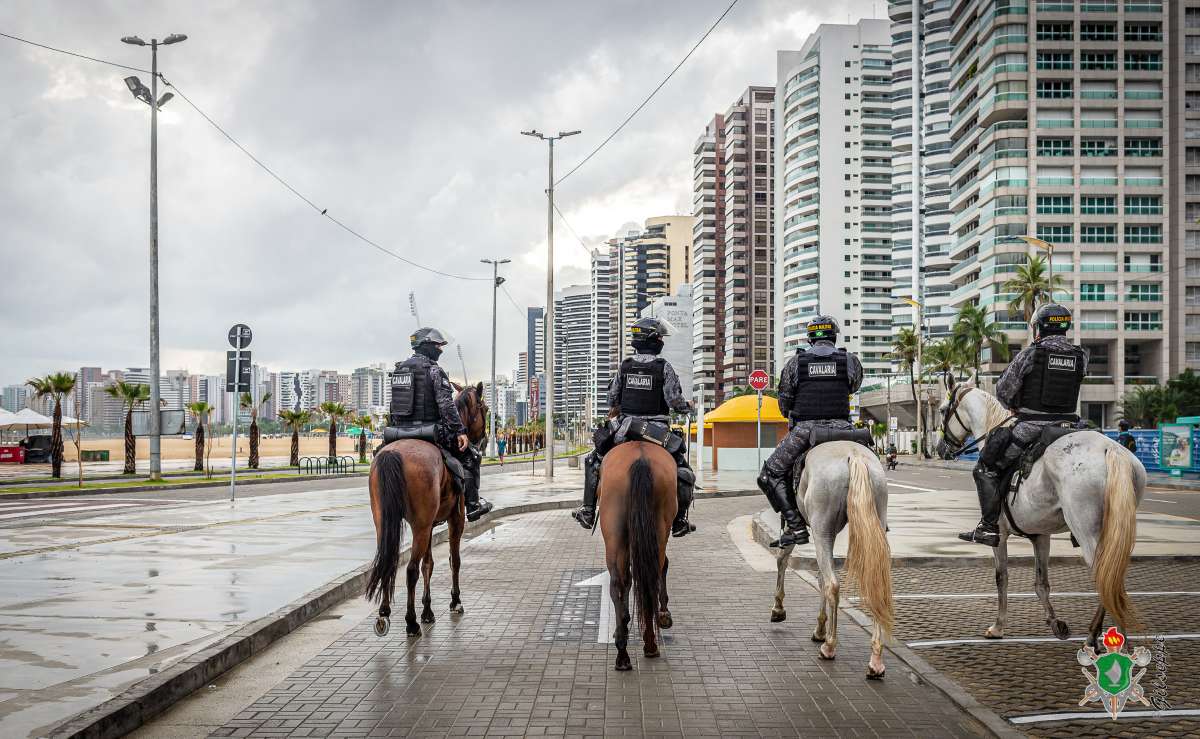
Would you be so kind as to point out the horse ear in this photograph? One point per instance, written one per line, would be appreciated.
(456, 386)
(973, 379)
(479, 390)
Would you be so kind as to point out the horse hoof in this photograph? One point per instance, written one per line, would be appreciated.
(1061, 630)
(650, 653)
(777, 615)
(427, 618)
(991, 634)
(665, 621)
(382, 626)
(623, 663)
(873, 675)
(817, 636)
(823, 655)
(457, 609)
(411, 627)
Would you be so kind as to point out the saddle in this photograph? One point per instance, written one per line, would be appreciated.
(823, 434)
(423, 432)
(654, 432)
(1024, 467)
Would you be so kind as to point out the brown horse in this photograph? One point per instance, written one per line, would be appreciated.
(409, 482)
(637, 504)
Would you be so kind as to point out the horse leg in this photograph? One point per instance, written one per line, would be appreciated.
(413, 571)
(1041, 584)
(457, 523)
(875, 666)
(664, 613)
(829, 593)
(1000, 560)
(619, 582)
(426, 573)
(779, 613)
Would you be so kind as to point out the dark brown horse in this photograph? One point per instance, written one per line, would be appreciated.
(637, 504)
(409, 482)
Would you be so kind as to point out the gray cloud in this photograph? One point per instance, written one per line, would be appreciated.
(401, 118)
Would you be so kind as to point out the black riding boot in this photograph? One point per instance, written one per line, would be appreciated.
(684, 493)
(476, 506)
(987, 486)
(586, 513)
(776, 489)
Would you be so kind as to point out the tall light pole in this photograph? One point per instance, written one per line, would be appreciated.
(548, 324)
(150, 97)
(497, 281)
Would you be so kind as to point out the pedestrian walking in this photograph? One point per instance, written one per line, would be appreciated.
(501, 444)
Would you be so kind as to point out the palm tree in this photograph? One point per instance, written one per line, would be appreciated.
(246, 400)
(131, 395)
(200, 411)
(904, 351)
(942, 357)
(333, 412)
(295, 420)
(972, 330)
(56, 386)
(1032, 285)
(364, 423)
(1147, 405)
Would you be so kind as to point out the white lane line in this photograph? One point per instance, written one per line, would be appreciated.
(1034, 718)
(56, 511)
(894, 484)
(1160, 500)
(935, 596)
(40, 502)
(1030, 640)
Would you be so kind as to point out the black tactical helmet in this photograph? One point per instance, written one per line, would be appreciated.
(648, 329)
(1052, 318)
(427, 336)
(823, 327)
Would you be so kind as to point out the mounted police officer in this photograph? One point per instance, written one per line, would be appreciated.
(814, 391)
(422, 407)
(640, 398)
(1041, 386)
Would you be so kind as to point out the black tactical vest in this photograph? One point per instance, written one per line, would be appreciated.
(1052, 385)
(822, 387)
(642, 388)
(413, 400)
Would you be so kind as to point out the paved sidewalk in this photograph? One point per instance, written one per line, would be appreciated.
(90, 604)
(529, 658)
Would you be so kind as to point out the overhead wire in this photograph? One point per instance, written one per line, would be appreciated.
(649, 97)
(75, 54)
(572, 230)
(508, 295)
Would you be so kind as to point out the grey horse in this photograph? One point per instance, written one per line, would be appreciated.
(1085, 483)
(842, 484)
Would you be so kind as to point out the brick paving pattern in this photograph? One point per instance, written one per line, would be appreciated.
(524, 661)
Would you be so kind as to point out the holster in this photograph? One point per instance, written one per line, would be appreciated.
(424, 432)
(602, 438)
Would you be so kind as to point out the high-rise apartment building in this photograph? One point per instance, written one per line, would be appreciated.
(1060, 122)
(1183, 32)
(708, 263)
(676, 312)
(572, 352)
(921, 163)
(833, 227)
(651, 263)
(16, 397)
(604, 326)
(367, 388)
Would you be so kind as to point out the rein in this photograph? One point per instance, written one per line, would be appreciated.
(952, 412)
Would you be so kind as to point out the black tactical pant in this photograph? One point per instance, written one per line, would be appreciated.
(611, 434)
(999, 456)
(779, 465)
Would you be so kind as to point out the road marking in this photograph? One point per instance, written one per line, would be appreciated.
(1160, 500)
(604, 631)
(55, 511)
(40, 502)
(894, 484)
(934, 596)
(1030, 640)
(1034, 718)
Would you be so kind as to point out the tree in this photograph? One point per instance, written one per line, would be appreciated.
(56, 386)
(246, 400)
(333, 412)
(1147, 405)
(1188, 386)
(943, 357)
(201, 412)
(747, 390)
(904, 351)
(1032, 285)
(295, 420)
(131, 395)
(972, 331)
(364, 423)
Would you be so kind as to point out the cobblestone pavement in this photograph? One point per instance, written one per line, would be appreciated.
(525, 658)
(1018, 679)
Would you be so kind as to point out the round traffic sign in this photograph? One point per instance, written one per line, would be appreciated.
(759, 380)
(239, 336)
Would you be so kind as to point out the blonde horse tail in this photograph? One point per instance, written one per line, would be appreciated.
(1117, 534)
(869, 559)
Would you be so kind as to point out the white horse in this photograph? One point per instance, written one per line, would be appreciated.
(1085, 483)
(843, 482)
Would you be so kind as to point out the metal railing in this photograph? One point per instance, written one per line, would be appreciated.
(326, 465)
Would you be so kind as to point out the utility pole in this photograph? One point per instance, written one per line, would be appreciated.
(497, 281)
(548, 323)
(150, 97)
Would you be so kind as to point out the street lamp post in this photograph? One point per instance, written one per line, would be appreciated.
(548, 324)
(920, 328)
(497, 281)
(150, 97)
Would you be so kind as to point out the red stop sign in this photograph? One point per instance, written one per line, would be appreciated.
(759, 380)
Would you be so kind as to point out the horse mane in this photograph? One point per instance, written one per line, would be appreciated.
(997, 414)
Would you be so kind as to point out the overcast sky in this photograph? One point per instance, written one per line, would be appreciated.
(401, 118)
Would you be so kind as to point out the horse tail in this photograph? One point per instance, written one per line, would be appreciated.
(393, 495)
(642, 527)
(1117, 534)
(869, 558)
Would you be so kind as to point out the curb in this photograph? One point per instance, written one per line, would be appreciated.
(150, 697)
(764, 534)
(68, 492)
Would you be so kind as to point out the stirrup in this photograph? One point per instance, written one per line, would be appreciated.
(481, 508)
(791, 537)
(586, 516)
(682, 527)
(982, 535)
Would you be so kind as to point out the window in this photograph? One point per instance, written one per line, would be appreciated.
(1054, 60)
(1143, 205)
(1055, 147)
(1097, 60)
(1055, 234)
(1058, 31)
(1097, 234)
(1054, 204)
(1092, 205)
(1191, 184)
(1191, 296)
(1144, 292)
(1143, 32)
(1143, 147)
(1143, 234)
(1144, 320)
(1192, 269)
(1097, 31)
(1098, 147)
(1092, 292)
(1143, 61)
(1193, 348)
(1054, 88)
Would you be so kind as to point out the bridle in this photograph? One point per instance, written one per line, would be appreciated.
(960, 446)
